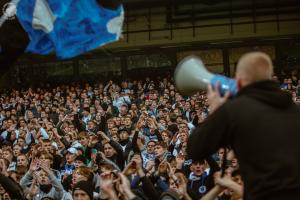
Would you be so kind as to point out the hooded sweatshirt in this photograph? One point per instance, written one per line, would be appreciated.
(262, 125)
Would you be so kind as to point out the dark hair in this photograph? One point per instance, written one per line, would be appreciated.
(162, 144)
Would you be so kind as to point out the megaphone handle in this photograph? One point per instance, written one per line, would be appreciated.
(227, 84)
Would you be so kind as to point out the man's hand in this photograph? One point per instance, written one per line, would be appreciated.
(215, 100)
(224, 181)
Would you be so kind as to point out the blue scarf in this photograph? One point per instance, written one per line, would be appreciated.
(68, 27)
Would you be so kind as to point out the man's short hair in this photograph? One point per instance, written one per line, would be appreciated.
(162, 144)
(83, 134)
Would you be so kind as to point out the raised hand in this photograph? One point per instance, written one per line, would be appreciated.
(215, 100)
(34, 166)
(46, 168)
(125, 187)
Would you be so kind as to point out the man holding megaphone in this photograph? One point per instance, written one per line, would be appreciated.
(260, 123)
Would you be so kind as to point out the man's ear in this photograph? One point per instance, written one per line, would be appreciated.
(239, 84)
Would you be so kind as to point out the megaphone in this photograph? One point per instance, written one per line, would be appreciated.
(191, 76)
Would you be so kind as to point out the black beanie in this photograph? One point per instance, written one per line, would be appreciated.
(85, 186)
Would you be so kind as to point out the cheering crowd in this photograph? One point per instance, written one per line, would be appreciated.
(112, 141)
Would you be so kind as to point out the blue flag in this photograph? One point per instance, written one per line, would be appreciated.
(68, 27)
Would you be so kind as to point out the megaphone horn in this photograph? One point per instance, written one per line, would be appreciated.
(191, 76)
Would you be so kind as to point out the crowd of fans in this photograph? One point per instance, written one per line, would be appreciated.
(111, 141)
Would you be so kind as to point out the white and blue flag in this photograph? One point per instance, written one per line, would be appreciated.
(68, 27)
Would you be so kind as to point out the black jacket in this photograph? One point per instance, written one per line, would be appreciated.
(262, 126)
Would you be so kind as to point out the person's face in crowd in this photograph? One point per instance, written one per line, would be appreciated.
(154, 96)
(118, 121)
(160, 113)
(17, 150)
(45, 160)
(22, 123)
(127, 121)
(84, 141)
(165, 137)
(159, 151)
(13, 136)
(43, 178)
(77, 177)
(177, 112)
(183, 127)
(122, 121)
(77, 102)
(183, 148)
(166, 91)
(124, 135)
(30, 115)
(172, 93)
(221, 154)
(115, 137)
(163, 122)
(172, 184)
(47, 146)
(47, 109)
(3, 194)
(114, 130)
(13, 111)
(2, 113)
(123, 110)
(9, 123)
(110, 125)
(7, 114)
(43, 114)
(78, 163)
(92, 110)
(183, 136)
(187, 106)
(98, 116)
(6, 196)
(80, 195)
(7, 155)
(297, 101)
(106, 99)
(198, 168)
(108, 150)
(22, 161)
(70, 157)
(147, 103)
(90, 125)
(71, 127)
(21, 142)
(133, 106)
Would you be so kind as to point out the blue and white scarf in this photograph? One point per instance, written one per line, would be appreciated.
(68, 27)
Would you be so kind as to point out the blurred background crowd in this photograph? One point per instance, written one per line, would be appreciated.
(114, 140)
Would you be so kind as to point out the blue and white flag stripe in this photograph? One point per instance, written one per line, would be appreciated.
(68, 27)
